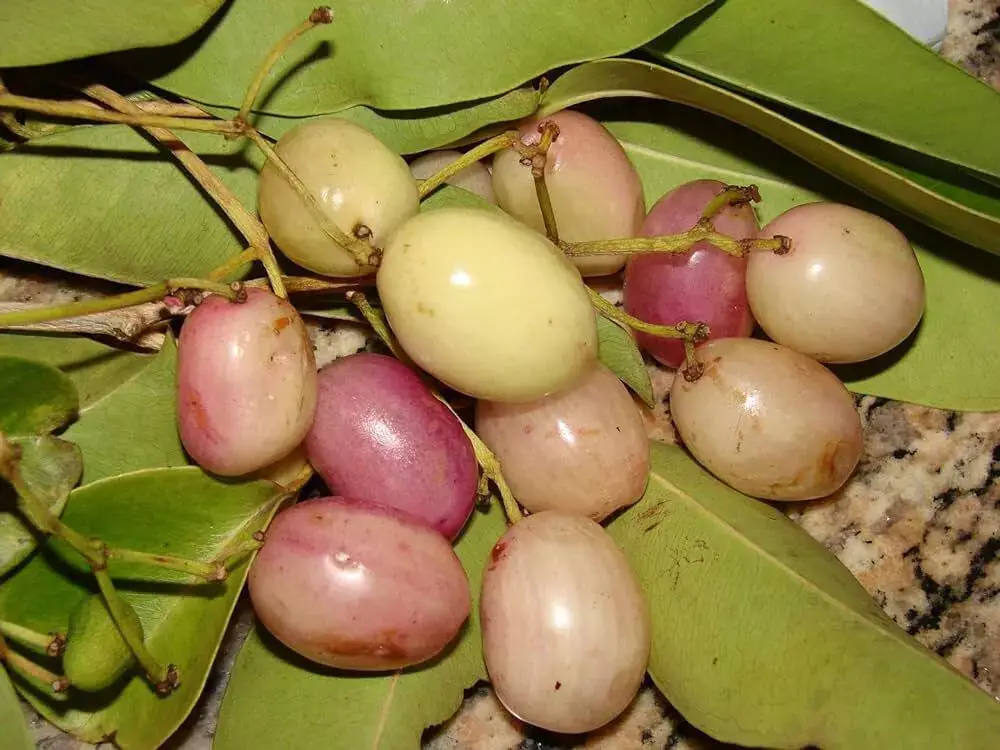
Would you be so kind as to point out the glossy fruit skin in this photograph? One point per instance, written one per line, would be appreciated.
(96, 654)
(582, 450)
(768, 421)
(246, 382)
(487, 305)
(595, 191)
(475, 178)
(358, 585)
(850, 289)
(355, 177)
(379, 434)
(566, 627)
(703, 285)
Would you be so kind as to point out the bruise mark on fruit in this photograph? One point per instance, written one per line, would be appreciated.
(201, 418)
(832, 459)
(428, 311)
(498, 553)
(385, 645)
(281, 324)
(558, 685)
(528, 429)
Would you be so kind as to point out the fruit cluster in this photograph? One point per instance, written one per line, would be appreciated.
(493, 304)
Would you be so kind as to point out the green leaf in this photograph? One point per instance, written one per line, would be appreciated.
(630, 78)
(104, 201)
(50, 467)
(842, 61)
(36, 398)
(36, 32)
(762, 638)
(415, 131)
(618, 352)
(95, 368)
(133, 426)
(178, 511)
(276, 699)
(400, 54)
(448, 196)
(14, 734)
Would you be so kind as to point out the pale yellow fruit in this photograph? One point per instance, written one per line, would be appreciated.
(767, 420)
(850, 289)
(356, 179)
(487, 305)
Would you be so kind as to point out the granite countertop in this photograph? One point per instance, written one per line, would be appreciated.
(918, 525)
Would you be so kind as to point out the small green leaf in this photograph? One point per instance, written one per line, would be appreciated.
(108, 187)
(95, 368)
(448, 196)
(50, 467)
(415, 131)
(618, 352)
(36, 32)
(842, 61)
(345, 313)
(14, 734)
(133, 426)
(36, 398)
(275, 699)
(400, 54)
(959, 337)
(631, 78)
(762, 638)
(177, 511)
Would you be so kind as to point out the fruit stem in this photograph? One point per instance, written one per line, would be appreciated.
(34, 673)
(377, 320)
(164, 679)
(703, 231)
(497, 143)
(50, 644)
(103, 304)
(731, 195)
(85, 112)
(363, 253)
(693, 332)
(249, 255)
(692, 368)
(549, 131)
(320, 15)
(490, 465)
(207, 571)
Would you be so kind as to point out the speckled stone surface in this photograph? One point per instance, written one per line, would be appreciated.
(918, 525)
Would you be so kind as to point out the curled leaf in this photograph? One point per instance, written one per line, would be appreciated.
(618, 352)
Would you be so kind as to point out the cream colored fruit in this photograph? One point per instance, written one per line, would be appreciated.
(595, 190)
(487, 305)
(357, 180)
(850, 289)
(566, 627)
(475, 178)
(582, 450)
(767, 420)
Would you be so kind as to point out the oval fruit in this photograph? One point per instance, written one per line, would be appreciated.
(356, 179)
(582, 450)
(850, 288)
(487, 305)
(595, 191)
(96, 654)
(703, 285)
(768, 421)
(357, 585)
(246, 382)
(475, 178)
(379, 434)
(566, 629)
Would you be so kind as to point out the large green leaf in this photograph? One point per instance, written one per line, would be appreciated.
(840, 60)
(133, 426)
(977, 222)
(402, 54)
(275, 699)
(50, 468)
(36, 32)
(177, 511)
(94, 368)
(104, 201)
(414, 131)
(762, 638)
(14, 733)
(618, 352)
(36, 398)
